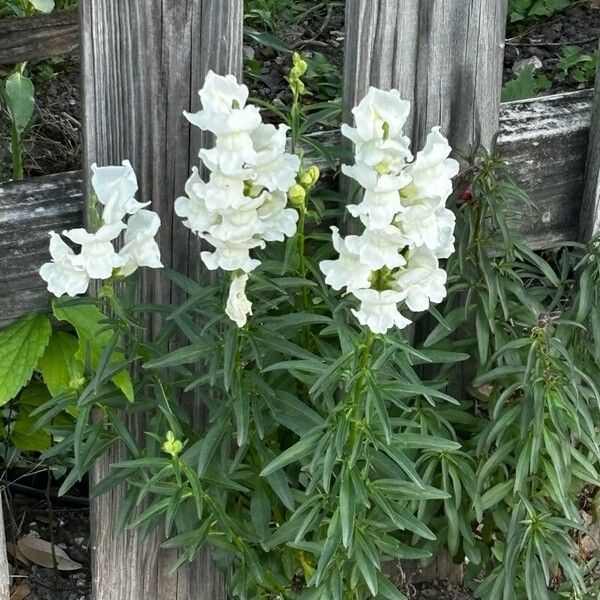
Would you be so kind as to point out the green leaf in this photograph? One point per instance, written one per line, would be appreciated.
(44, 6)
(347, 509)
(89, 322)
(18, 94)
(299, 450)
(21, 346)
(59, 365)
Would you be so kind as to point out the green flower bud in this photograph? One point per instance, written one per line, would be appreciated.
(299, 64)
(172, 446)
(315, 173)
(297, 195)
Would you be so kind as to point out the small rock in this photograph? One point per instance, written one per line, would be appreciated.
(533, 61)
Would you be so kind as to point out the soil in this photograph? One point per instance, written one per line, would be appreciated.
(578, 25)
(440, 590)
(71, 532)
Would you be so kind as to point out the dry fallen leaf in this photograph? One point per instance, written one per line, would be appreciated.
(19, 591)
(40, 552)
(14, 551)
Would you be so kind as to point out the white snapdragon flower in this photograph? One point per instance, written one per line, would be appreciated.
(192, 208)
(446, 224)
(347, 271)
(141, 249)
(422, 281)
(381, 200)
(62, 275)
(379, 114)
(240, 225)
(273, 168)
(98, 256)
(115, 188)
(238, 306)
(432, 171)
(219, 95)
(231, 256)
(378, 248)
(379, 310)
(277, 221)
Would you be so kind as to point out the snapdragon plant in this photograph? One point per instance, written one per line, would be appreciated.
(305, 481)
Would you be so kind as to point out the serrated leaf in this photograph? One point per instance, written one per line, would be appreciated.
(21, 346)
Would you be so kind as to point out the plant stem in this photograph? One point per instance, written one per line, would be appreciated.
(16, 149)
(302, 255)
(363, 369)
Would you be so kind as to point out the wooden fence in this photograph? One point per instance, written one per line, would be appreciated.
(144, 60)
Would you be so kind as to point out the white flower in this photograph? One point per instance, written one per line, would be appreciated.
(379, 114)
(381, 201)
(379, 310)
(432, 171)
(141, 249)
(98, 256)
(422, 281)
(193, 208)
(347, 270)
(238, 306)
(277, 221)
(446, 222)
(223, 191)
(231, 257)
(62, 275)
(273, 168)
(115, 188)
(239, 225)
(219, 93)
(379, 248)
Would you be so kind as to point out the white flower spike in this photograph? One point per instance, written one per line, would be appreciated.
(141, 249)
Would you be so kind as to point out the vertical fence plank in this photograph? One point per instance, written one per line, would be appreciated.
(4, 569)
(589, 223)
(445, 56)
(143, 63)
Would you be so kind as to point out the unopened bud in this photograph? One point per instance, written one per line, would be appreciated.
(297, 195)
(172, 446)
(315, 173)
(299, 63)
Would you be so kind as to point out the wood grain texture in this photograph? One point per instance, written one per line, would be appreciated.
(545, 140)
(589, 222)
(38, 37)
(29, 210)
(445, 56)
(143, 63)
(4, 569)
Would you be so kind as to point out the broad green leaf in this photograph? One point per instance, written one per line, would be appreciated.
(18, 93)
(59, 365)
(21, 346)
(88, 321)
(44, 6)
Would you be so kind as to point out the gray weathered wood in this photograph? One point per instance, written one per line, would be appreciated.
(545, 140)
(589, 224)
(29, 210)
(143, 63)
(40, 37)
(444, 56)
(4, 568)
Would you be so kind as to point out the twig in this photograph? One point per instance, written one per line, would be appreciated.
(576, 42)
(51, 525)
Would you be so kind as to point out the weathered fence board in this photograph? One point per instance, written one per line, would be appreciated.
(40, 37)
(589, 224)
(29, 210)
(546, 141)
(143, 63)
(4, 569)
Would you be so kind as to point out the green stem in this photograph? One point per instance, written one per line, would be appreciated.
(302, 255)
(16, 149)
(363, 369)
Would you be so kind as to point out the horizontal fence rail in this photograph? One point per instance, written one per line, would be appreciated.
(544, 139)
(22, 40)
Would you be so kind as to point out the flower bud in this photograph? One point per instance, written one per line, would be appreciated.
(297, 195)
(299, 63)
(172, 446)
